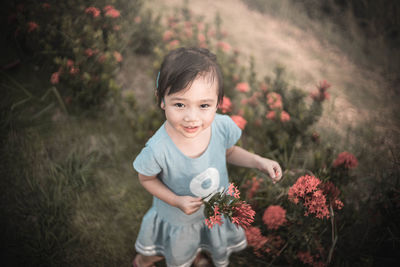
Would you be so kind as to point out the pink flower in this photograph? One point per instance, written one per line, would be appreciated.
(270, 115)
(254, 185)
(304, 185)
(167, 35)
(173, 44)
(93, 10)
(74, 70)
(285, 116)
(307, 189)
(55, 77)
(215, 219)
(274, 100)
(32, 26)
(274, 216)
(255, 239)
(89, 52)
(233, 191)
(201, 38)
(226, 105)
(243, 87)
(111, 12)
(224, 46)
(137, 19)
(346, 160)
(321, 93)
(239, 120)
(117, 56)
(70, 63)
(242, 214)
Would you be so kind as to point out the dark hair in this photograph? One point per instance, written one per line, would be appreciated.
(182, 66)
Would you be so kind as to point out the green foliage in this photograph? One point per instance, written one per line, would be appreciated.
(79, 43)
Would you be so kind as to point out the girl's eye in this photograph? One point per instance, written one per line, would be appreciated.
(179, 105)
(204, 105)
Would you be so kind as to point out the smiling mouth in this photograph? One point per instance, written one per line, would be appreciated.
(190, 129)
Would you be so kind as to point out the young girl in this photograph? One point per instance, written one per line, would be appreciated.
(185, 160)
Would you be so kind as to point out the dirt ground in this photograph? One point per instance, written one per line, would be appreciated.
(358, 95)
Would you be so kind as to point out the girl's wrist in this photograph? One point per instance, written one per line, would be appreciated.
(258, 162)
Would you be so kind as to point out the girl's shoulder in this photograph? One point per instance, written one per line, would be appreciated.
(158, 140)
(224, 123)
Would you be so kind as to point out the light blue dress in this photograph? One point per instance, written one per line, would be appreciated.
(166, 230)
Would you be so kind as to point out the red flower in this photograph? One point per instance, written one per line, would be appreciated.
(215, 219)
(55, 77)
(173, 44)
(110, 11)
(167, 35)
(274, 100)
(89, 52)
(239, 120)
(243, 87)
(306, 189)
(285, 116)
(255, 239)
(137, 19)
(233, 191)
(270, 115)
(226, 105)
(346, 160)
(224, 46)
(93, 10)
(274, 216)
(117, 56)
(254, 185)
(201, 38)
(321, 93)
(32, 26)
(242, 214)
(332, 193)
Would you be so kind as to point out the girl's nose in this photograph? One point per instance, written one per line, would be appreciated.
(190, 115)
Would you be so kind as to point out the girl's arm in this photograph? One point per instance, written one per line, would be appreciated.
(187, 204)
(241, 157)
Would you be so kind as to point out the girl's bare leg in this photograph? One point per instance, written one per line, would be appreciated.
(146, 261)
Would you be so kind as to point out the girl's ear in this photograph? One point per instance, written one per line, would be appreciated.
(162, 103)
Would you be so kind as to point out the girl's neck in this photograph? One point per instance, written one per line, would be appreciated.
(190, 147)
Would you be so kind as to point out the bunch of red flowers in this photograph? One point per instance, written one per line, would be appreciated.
(228, 203)
(315, 196)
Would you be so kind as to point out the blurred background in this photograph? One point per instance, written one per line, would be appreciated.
(314, 83)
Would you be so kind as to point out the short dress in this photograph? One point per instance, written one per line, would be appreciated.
(166, 230)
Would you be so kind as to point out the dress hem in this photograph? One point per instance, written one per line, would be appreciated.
(159, 251)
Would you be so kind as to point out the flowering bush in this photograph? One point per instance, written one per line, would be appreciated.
(79, 43)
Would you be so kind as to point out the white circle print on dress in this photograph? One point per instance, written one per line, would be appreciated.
(205, 183)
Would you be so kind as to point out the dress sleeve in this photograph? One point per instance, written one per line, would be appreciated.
(232, 132)
(146, 162)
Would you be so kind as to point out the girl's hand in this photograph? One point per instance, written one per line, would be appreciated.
(188, 204)
(272, 168)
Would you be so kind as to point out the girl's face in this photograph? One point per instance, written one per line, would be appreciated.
(192, 110)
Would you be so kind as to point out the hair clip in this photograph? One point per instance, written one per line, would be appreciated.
(158, 77)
